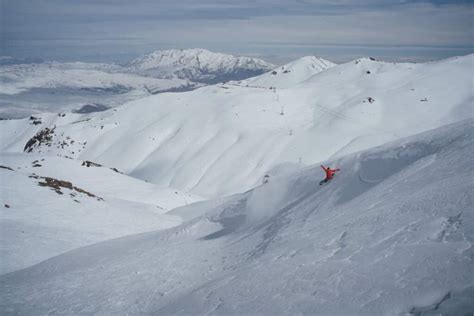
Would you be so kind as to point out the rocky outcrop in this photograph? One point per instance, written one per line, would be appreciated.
(43, 137)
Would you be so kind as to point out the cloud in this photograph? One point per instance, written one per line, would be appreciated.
(247, 26)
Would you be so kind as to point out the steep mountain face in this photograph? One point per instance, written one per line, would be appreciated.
(223, 139)
(391, 234)
(198, 65)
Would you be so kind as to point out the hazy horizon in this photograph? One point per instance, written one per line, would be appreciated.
(106, 31)
(275, 59)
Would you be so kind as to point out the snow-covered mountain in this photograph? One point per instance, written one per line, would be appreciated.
(290, 74)
(22, 77)
(28, 87)
(223, 139)
(31, 88)
(198, 65)
(391, 235)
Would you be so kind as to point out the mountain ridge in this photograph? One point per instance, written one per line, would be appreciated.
(291, 74)
(31, 87)
(223, 139)
(198, 65)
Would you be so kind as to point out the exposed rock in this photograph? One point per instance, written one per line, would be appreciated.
(88, 163)
(56, 185)
(35, 120)
(36, 164)
(43, 137)
(90, 108)
(116, 170)
(85, 120)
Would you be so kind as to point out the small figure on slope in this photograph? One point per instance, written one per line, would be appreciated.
(329, 174)
(266, 178)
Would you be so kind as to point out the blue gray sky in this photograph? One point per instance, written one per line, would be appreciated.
(275, 30)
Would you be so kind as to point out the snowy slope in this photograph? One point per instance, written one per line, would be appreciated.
(290, 74)
(223, 139)
(198, 65)
(38, 222)
(391, 234)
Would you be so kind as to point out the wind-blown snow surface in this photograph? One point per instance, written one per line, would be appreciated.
(391, 234)
(223, 139)
(38, 222)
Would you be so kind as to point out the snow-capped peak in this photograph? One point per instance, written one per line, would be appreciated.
(308, 62)
(292, 73)
(196, 57)
(199, 65)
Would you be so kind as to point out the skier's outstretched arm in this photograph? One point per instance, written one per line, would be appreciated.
(323, 167)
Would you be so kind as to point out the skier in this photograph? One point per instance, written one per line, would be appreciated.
(329, 174)
(266, 178)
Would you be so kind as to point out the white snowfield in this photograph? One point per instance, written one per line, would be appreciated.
(222, 139)
(391, 234)
(40, 223)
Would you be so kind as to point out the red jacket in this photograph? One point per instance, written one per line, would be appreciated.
(329, 172)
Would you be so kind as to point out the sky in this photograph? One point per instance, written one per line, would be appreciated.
(275, 30)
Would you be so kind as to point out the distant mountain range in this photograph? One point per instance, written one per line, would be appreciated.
(32, 86)
(245, 128)
(198, 65)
